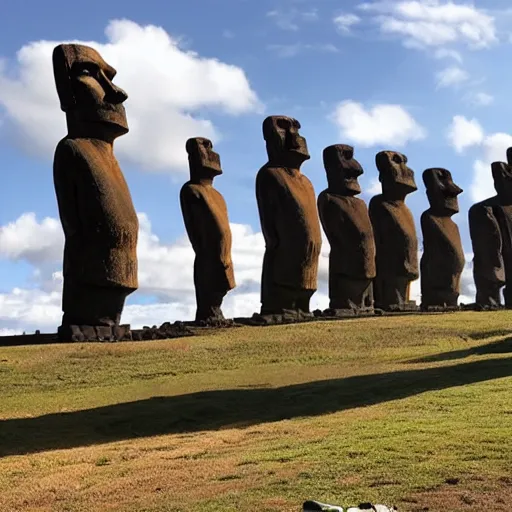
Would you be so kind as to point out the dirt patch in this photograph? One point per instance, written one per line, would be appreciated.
(474, 493)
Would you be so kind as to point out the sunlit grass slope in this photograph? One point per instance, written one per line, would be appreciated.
(410, 410)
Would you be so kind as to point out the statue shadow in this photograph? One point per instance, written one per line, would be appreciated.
(496, 347)
(232, 408)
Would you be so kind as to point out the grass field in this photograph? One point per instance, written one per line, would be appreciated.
(414, 411)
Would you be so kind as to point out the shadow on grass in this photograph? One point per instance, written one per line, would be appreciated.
(496, 347)
(212, 410)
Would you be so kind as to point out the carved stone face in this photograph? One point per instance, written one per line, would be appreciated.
(85, 88)
(502, 175)
(285, 146)
(442, 192)
(342, 169)
(396, 177)
(203, 161)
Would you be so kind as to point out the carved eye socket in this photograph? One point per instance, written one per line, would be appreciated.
(284, 124)
(86, 70)
(397, 158)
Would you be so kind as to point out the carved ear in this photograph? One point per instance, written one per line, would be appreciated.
(61, 73)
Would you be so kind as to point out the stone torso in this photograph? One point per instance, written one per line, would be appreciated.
(487, 224)
(503, 214)
(395, 238)
(288, 211)
(348, 228)
(206, 220)
(443, 255)
(97, 213)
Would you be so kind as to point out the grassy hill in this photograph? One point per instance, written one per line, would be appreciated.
(414, 411)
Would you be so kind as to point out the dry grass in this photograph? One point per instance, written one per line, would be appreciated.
(385, 409)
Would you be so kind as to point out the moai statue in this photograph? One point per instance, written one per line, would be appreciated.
(490, 226)
(395, 234)
(443, 260)
(348, 228)
(206, 220)
(289, 221)
(95, 206)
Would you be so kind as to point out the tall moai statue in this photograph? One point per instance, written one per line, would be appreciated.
(395, 233)
(289, 220)
(95, 206)
(490, 227)
(206, 219)
(443, 260)
(346, 223)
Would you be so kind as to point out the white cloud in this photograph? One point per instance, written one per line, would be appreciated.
(494, 148)
(464, 133)
(421, 24)
(451, 76)
(292, 50)
(167, 87)
(345, 22)
(480, 99)
(380, 124)
(30, 240)
(291, 18)
(165, 275)
(374, 187)
(445, 53)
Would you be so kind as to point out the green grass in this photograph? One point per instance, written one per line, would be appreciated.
(411, 410)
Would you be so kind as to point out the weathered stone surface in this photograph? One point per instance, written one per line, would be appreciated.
(285, 317)
(165, 331)
(289, 220)
(443, 259)
(347, 224)
(85, 333)
(95, 206)
(206, 219)
(490, 226)
(395, 234)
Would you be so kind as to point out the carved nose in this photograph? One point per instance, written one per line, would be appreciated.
(113, 94)
(117, 95)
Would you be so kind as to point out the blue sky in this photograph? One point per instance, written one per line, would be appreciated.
(428, 78)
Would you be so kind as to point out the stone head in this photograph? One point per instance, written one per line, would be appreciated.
(342, 169)
(204, 163)
(442, 192)
(93, 104)
(285, 146)
(396, 177)
(502, 176)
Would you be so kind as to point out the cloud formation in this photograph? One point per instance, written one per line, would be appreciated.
(168, 87)
(434, 23)
(464, 133)
(291, 18)
(451, 76)
(292, 50)
(376, 125)
(345, 22)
